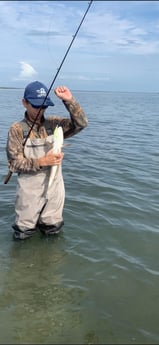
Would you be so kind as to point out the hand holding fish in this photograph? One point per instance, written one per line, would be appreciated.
(63, 93)
(51, 158)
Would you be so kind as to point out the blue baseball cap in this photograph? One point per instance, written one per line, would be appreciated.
(35, 94)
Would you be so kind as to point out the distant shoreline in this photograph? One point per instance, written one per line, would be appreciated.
(95, 91)
(6, 87)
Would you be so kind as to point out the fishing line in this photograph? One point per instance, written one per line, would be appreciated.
(58, 70)
(49, 35)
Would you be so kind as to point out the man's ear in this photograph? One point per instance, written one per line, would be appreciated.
(24, 102)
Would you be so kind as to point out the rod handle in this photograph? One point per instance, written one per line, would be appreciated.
(7, 178)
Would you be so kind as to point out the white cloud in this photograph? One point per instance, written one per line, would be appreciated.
(27, 71)
(114, 34)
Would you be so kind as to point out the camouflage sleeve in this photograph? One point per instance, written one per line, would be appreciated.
(16, 159)
(71, 126)
(77, 120)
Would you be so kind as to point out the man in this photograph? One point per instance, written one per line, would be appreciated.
(31, 156)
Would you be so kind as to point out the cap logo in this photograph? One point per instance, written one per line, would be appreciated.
(41, 92)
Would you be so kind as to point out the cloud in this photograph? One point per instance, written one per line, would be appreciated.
(27, 71)
(113, 42)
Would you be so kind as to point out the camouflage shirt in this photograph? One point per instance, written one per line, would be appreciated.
(17, 162)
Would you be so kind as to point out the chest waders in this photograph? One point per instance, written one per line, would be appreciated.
(36, 206)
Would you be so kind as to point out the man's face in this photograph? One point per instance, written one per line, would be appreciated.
(33, 111)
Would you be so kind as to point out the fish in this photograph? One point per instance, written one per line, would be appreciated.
(57, 146)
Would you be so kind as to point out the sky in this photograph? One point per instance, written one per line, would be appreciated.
(115, 49)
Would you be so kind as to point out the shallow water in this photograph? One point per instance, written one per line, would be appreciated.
(97, 283)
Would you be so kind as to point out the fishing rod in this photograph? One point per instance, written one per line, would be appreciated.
(58, 70)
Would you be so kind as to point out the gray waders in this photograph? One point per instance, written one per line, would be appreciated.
(36, 206)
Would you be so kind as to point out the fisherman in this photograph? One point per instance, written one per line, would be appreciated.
(38, 207)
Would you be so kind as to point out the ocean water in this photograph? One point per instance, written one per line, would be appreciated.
(97, 283)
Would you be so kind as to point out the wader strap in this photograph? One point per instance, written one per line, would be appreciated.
(26, 128)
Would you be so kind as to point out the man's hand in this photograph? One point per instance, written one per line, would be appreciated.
(51, 158)
(63, 93)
